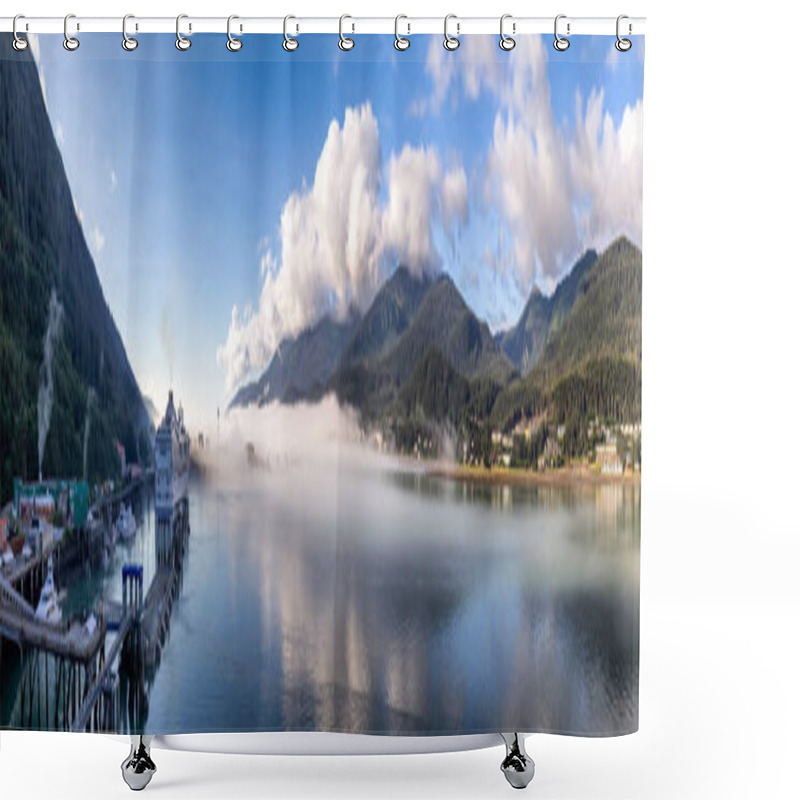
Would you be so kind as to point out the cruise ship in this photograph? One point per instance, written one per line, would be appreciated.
(171, 479)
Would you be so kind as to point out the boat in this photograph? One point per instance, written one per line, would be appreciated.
(171, 481)
(172, 461)
(48, 609)
(125, 526)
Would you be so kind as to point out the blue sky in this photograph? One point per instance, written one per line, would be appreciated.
(286, 186)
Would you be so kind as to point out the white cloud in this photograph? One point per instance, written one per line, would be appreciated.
(478, 69)
(526, 179)
(557, 190)
(113, 178)
(606, 170)
(420, 192)
(336, 237)
(526, 168)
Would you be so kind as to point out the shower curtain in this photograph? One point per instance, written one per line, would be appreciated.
(321, 385)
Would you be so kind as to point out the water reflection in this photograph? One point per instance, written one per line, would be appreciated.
(400, 602)
(378, 600)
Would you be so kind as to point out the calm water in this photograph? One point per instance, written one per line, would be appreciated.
(374, 600)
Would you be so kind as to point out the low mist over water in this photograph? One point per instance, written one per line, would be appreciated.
(343, 589)
(331, 587)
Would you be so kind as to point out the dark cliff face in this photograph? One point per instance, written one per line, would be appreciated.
(43, 253)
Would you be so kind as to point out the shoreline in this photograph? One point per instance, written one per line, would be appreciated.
(565, 476)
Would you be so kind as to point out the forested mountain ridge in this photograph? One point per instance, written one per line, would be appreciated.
(442, 324)
(47, 274)
(446, 322)
(370, 358)
(388, 317)
(542, 316)
(419, 354)
(591, 367)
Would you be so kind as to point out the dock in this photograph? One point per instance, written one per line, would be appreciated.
(82, 663)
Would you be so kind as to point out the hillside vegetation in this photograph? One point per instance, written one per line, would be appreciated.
(44, 262)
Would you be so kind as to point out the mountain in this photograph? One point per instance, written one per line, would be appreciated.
(367, 360)
(48, 282)
(388, 317)
(606, 319)
(441, 394)
(591, 365)
(435, 388)
(446, 322)
(301, 366)
(542, 316)
(441, 321)
(304, 366)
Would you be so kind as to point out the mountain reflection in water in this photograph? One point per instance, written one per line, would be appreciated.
(370, 599)
(384, 601)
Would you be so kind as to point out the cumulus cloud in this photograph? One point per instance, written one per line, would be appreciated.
(478, 69)
(338, 236)
(419, 191)
(556, 189)
(606, 170)
(527, 182)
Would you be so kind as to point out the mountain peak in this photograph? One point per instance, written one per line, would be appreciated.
(622, 244)
(388, 316)
(542, 315)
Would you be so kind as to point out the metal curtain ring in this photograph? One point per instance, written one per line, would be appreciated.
(70, 42)
(561, 43)
(128, 42)
(181, 42)
(506, 42)
(345, 42)
(18, 43)
(233, 44)
(400, 42)
(623, 45)
(290, 44)
(450, 42)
